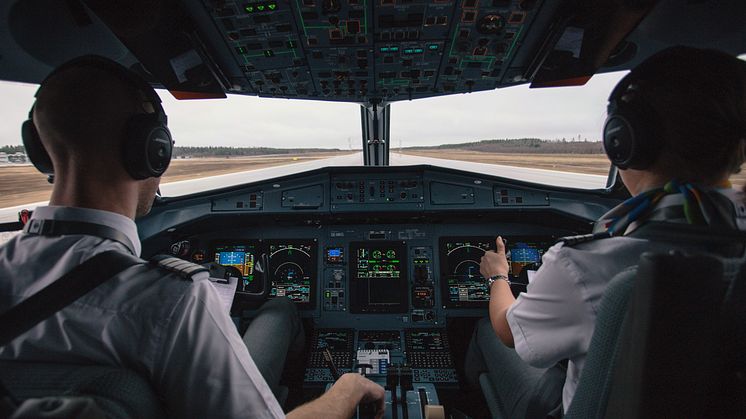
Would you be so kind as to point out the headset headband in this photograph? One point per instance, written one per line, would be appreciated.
(116, 69)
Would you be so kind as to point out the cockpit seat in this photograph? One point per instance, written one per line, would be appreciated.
(669, 341)
(120, 393)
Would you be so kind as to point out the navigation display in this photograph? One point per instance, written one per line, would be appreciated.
(463, 285)
(242, 257)
(293, 271)
(378, 277)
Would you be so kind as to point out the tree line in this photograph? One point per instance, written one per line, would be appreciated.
(12, 149)
(218, 151)
(523, 146)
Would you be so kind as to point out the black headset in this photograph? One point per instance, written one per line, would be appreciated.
(146, 152)
(631, 137)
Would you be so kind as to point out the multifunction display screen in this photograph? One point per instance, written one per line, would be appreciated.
(378, 277)
(242, 257)
(293, 270)
(463, 285)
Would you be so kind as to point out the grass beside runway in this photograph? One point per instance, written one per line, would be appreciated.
(21, 185)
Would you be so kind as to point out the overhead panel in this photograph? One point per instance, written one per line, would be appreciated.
(359, 50)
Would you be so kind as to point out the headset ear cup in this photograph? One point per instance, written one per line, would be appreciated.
(35, 149)
(630, 138)
(160, 150)
(618, 141)
(148, 151)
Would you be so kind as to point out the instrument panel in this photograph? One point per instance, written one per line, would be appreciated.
(419, 278)
(383, 265)
(378, 248)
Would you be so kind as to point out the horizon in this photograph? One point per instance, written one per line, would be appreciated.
(571, 140)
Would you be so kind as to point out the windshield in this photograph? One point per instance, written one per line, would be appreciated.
(545, 136)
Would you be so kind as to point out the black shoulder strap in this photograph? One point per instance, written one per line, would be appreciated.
(43, 227)
(63, 292)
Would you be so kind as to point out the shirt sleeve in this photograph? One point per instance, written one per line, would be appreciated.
(549, 322)
(204, 368)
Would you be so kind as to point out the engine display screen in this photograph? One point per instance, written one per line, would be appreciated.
(463, 285)
(242, 257)
(293, 271)
(378, 277)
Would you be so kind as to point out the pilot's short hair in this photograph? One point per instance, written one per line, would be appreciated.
(699, 96)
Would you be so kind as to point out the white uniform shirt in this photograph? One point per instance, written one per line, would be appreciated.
(555, 318)
(172, 331)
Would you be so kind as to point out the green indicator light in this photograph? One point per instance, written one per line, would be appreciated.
(328, 294)
(272, 6)
(241, 50)
(250, 9)
(394, 49)
(385, 49)
(269, 53)
(432, 47)
(260, 7)
(409, 51)
(418, 50)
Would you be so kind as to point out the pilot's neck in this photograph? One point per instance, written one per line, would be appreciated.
(90, 192)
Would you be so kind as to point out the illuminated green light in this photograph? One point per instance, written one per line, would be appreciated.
(269, 53)
(260, 7)
(272, 6)
(249, 9)
(394, 49)
(409, 51)
(432, 47)
(385, 49)
(418, 50)
(241, 50)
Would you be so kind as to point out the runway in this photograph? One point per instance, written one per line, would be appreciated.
(540, 176)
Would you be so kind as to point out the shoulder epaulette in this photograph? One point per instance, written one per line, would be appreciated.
(583, 238)
(178, 266)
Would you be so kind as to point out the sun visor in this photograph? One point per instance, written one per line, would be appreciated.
(578, 44)
(162, 37)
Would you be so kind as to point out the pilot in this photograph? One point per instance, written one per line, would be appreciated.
(684, 110)
(170, 329)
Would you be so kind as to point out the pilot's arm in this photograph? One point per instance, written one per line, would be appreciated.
(548, 322)
(203, 369)
(501, 298)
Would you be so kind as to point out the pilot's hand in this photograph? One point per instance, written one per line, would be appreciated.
(364, 390)
(494, 262)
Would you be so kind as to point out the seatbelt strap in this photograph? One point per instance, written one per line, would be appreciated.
(43, 227)
(63, 292)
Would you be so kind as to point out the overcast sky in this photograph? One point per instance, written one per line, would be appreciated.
(244, 121)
